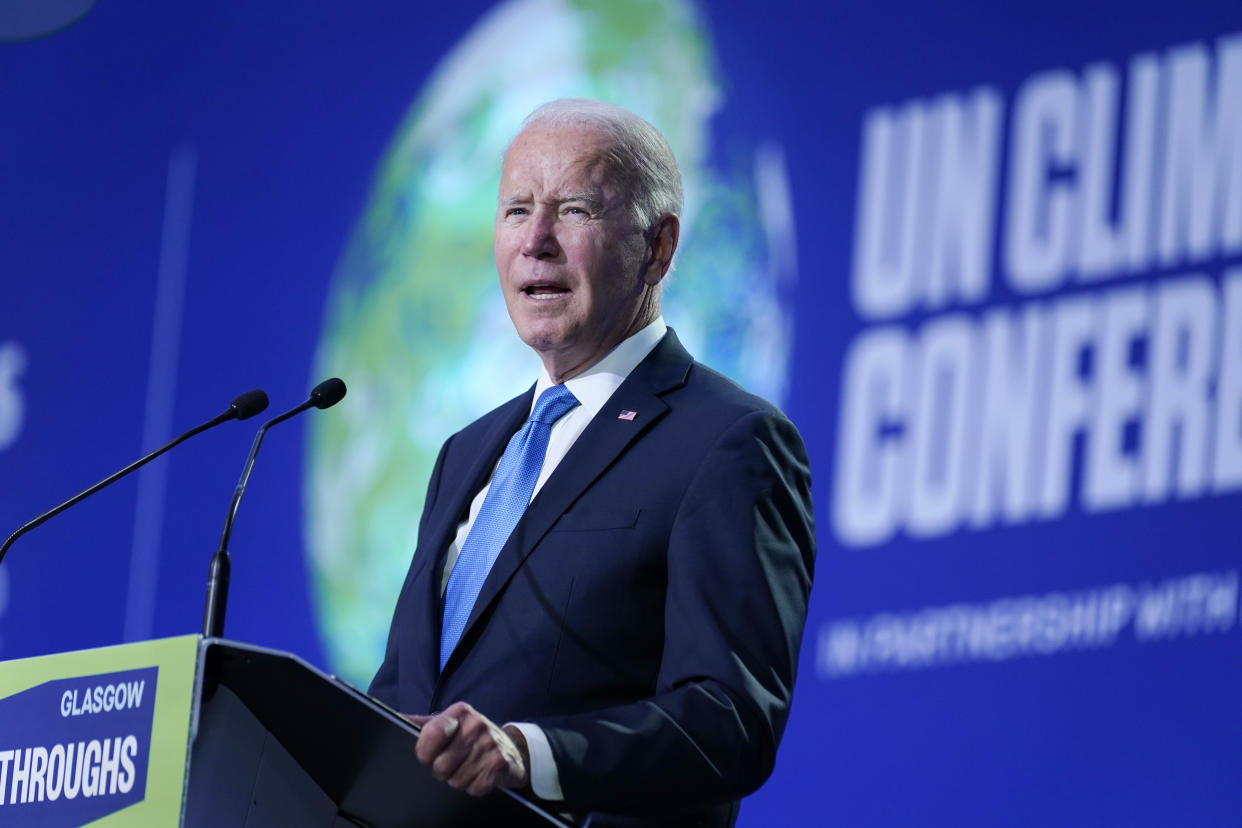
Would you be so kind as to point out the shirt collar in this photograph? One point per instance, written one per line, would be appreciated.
(595, 385)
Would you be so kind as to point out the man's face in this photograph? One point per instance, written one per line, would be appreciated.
(570, 257)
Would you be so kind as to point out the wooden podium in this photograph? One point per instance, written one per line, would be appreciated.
(210, 733)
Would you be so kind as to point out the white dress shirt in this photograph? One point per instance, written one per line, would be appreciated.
(592, 388)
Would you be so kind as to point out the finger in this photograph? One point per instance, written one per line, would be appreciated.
(448, 725)
(479, 774)
(493, 760)
(451, 760)
(461, 762)
(476, 775)
(459, 759)
(436, 735)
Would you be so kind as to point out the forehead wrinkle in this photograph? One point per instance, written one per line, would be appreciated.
(599, 167)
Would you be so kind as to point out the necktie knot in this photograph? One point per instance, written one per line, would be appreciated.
(553, 404)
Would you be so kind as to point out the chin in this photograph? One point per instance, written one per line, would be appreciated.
(541, 338)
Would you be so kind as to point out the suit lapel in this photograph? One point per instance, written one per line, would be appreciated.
(595, 450)
(461, 492)
(485, 456)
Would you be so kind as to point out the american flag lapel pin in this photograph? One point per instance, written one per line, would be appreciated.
(626, 414)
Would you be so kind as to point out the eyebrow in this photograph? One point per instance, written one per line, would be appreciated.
(590, 198)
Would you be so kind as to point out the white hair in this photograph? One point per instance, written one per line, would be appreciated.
(640, 156)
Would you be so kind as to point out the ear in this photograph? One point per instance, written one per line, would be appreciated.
(662, 244)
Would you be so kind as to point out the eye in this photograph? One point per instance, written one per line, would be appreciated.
(515, 212)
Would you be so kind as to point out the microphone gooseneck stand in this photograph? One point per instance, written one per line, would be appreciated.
(242, 407)
(324, 395)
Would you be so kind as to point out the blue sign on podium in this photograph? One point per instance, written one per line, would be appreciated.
(97, 736)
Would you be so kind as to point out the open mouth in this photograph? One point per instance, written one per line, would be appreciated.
(545, 291)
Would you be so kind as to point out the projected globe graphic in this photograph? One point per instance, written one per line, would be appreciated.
(415, 322)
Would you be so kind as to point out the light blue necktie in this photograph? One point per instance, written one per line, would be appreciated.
(506, 500)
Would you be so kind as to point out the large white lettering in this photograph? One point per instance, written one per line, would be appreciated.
(866, 494)
(1183, 366)
(1013, 345)
(937, 433)
(1202, 173)
(88, 769)
(1179, 180)
(1111, 399)
(1040, 206)
(926, 204)
(1227, 471)
(1112, 467)
(1105, 398)
(12, 402)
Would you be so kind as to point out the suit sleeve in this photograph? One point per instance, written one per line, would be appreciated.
(740, 561)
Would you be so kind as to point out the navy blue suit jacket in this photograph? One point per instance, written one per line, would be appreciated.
(647, 610)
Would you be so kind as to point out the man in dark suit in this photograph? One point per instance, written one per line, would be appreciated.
(606, 602)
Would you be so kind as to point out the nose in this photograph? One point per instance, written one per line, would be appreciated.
(540, 239)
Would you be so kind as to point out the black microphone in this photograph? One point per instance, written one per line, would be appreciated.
(324, 395)
(243, 406)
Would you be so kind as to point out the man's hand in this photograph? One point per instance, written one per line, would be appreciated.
(468, 751)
